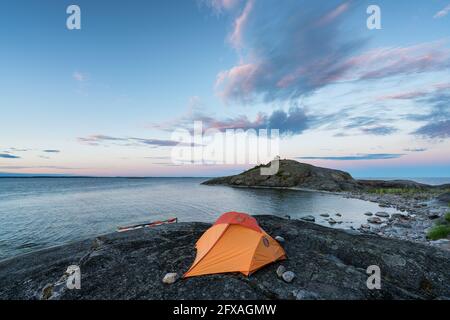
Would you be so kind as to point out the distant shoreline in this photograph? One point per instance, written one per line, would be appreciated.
(97, 177)
(190, 177)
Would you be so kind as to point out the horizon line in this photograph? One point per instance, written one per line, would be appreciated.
(26, 175)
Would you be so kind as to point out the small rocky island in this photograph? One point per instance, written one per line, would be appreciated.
(425, 208)
(294, 174)
(326, 264)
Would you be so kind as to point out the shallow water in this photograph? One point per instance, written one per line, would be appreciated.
(42, 212)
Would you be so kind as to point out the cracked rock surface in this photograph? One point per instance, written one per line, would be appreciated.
(328, 264)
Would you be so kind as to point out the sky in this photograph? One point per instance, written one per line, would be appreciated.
(105, 100)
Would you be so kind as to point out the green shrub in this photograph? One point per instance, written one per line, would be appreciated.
(399, 191)
(439, 232)
(447, 217)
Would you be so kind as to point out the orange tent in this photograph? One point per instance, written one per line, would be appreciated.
(235, 243)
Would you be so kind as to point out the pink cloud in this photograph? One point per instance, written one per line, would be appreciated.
(442, 86)
(286, 58)
(78, 76)
(222, 5)
(442, 13)
(413, 94)
(404, 95)
(241, 122)
(392, 61)
(239, 80)
(335, 13)
(242, 81)
(237, 35)
(290, 78)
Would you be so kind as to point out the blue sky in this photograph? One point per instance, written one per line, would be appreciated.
(105, 99)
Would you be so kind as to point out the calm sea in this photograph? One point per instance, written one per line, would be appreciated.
(41, 212)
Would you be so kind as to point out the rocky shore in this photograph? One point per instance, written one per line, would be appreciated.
(420, 212)
(422, 205)
(325, 263)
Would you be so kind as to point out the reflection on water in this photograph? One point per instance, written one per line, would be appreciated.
(42, 212)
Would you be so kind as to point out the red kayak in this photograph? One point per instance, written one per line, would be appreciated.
(147, 225)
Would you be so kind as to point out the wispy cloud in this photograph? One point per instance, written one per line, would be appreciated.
(96, 138)
(291, 122)
(379, 130)
(439, 129)
(311, 53)
(160, 142)
(8, 153)
(8, 156)
(442, 13)
(39, 167)
(159, 158)
(415, 149)
(434, 102)
(296, 120)
(79, 76)
(99, 139)
(169, 164)
(404, 95)
(219, 6)
(437, 118)
(369, 156)
(236, 36)
(359, 125)
(431, 90)
(334, 14)
(19, 149)
(283, 58)
(394, 61)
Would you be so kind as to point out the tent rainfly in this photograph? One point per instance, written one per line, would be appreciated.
(235, 243)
